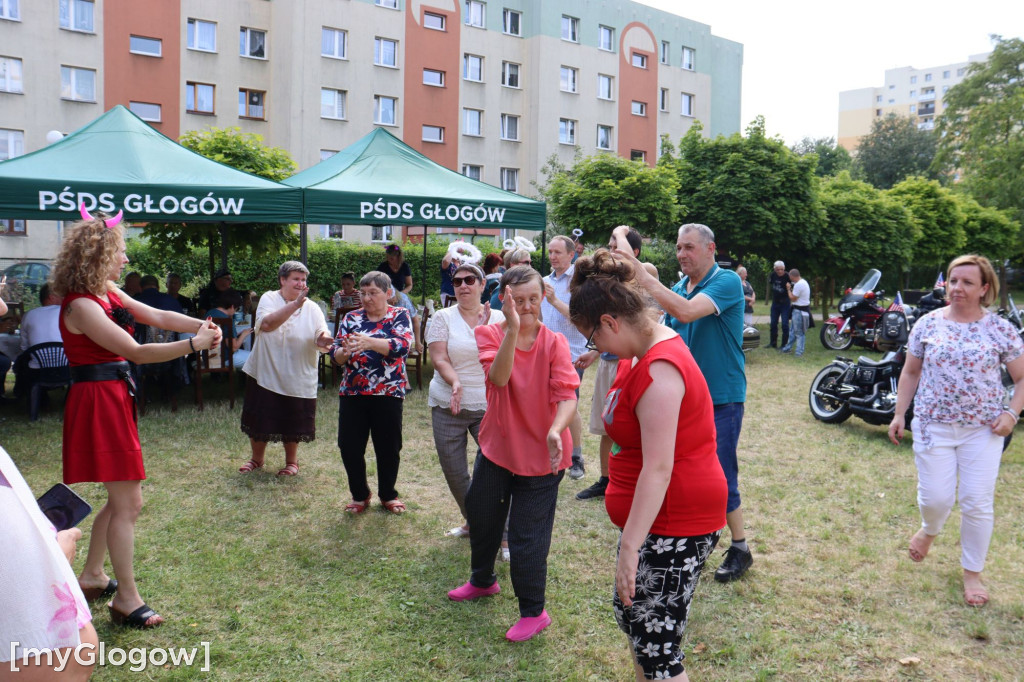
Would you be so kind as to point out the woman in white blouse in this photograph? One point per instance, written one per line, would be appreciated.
(280, 396)
(457, 396)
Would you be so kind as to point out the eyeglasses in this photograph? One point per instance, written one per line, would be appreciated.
(468, 279)
(590, 339)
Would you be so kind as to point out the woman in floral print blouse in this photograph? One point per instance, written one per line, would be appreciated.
(953, 366)
(371, 346)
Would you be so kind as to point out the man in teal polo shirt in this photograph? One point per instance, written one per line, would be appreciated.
(706, 308)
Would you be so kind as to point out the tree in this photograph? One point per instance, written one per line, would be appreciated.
(940, 235)
(894, 149)
(832, 159)
(990, 232)
(602, 191)
(982, 128)
(246, 152)
(757, 195)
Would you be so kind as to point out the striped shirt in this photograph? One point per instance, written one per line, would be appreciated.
(556, 321)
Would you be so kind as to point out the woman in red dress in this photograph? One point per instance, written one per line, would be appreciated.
(101, 437)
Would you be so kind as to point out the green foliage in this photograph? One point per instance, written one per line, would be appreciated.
(245, 152)
(832, 159)
(894, 149)
(990, 232)
(757, 195)
(939, 234)
(982, 128)
(602, 191)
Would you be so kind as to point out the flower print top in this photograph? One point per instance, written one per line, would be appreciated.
(369, 372)
(960, 373)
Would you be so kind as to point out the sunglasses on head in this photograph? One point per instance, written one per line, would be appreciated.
(468, 279)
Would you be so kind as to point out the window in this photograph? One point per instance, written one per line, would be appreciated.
(201, 35)
(566, 131)
(510, 75)
(570, 28)
(77, 84)
(433, 77)
(12, 228)
(381, 233)
(568, 79)
(334, 43)
(152, 47)
(392, 4)
(512, 22)
(332, 103)
(892, 87)
(689, 59)
(639, 60)
(433, 134)
(913, 108)
(9, 10)
(664, 52)
(333, 231)
(686, 107)
(638, 155)
(945, 88)
(509, 127)
(146, 111)
(473, 67)
(878, 112)
(913, 93)
(199, 98)
(891, 101)
(471, 171)
(384, 110)
(604, 137)
(606, 38)
(510, 179)
(250, 103)
(927, 78)
(913, 80)
(252, 43)
(604, 86)
(434, 21)
(76, 15)
(12, 143)
(945, 74)
(10, 75)
(385, 52)
(327, 153)
(961, 71)
(663, 100)
(639, 108)
(878, 99)
(472, 122)
(474, 13)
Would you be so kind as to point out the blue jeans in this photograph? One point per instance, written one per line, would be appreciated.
(798, 331)
(728, 421)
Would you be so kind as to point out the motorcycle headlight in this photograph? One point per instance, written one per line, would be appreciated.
(843, 307)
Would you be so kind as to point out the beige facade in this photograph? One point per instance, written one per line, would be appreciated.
(907, 92)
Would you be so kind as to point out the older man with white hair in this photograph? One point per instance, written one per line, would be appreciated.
(779, 280)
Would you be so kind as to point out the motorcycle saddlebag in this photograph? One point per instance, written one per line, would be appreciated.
(893, 329)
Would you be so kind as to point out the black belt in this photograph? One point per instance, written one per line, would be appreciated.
(805, 308)
(107, 371)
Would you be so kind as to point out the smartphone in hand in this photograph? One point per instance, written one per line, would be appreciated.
(63, 507)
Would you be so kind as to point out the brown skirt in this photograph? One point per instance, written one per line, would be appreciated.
(274, 418)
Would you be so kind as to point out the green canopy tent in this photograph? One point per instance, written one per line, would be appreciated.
(118, 162)
(381, 180)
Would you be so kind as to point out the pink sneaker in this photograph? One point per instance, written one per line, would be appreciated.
(527, 627)
(471, 591)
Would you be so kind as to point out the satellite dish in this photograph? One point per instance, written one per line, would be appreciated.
(54, 136)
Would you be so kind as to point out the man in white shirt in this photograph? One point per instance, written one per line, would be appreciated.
(39, 325)
(800, 298)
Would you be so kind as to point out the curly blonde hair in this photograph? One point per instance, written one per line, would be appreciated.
(88, 254)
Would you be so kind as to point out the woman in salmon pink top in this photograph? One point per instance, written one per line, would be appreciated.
(525, 448)
(666, 489)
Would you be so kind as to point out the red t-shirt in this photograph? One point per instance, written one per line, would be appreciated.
(696, 496)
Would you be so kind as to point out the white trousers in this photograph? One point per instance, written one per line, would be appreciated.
(972, 454)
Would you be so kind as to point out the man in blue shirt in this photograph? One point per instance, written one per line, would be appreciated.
(706, 308)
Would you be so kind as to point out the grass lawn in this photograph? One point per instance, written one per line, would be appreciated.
(285, 586)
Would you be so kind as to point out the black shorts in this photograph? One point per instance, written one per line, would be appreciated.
(666, 577)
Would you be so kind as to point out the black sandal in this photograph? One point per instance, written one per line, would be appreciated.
(97, 593)
(136, 619)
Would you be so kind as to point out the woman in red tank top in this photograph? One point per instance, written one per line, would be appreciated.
(666, 489)
(101, 438)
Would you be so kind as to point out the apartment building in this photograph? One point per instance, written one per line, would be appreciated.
(490, 88)
(907, 91)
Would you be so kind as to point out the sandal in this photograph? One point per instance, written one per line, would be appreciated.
(289, 470)
(355, 507)
(139, 618)
(97, 593)
(394, 506)
(975, 596)
(251, 465)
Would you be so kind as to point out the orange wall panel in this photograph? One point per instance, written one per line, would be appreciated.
(428, 104)
(641, 85)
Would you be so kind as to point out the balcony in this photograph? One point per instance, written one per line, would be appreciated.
(926, 109)
(926, 125)
(926, 97)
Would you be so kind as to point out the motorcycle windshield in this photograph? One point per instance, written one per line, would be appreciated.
(869, 282)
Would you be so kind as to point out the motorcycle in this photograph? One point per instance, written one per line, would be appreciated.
(859, 312)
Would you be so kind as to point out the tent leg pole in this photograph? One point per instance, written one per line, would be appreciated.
(303, 252)
(543, 247)
(224, 246)
(423, 283)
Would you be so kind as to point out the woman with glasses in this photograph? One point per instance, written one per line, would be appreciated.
(457, 397)
(371, 346)
(666, 489)
(525, 448)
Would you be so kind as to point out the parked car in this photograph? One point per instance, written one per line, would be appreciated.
(30, 275)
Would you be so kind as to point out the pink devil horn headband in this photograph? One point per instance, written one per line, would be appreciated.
(109, 222)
